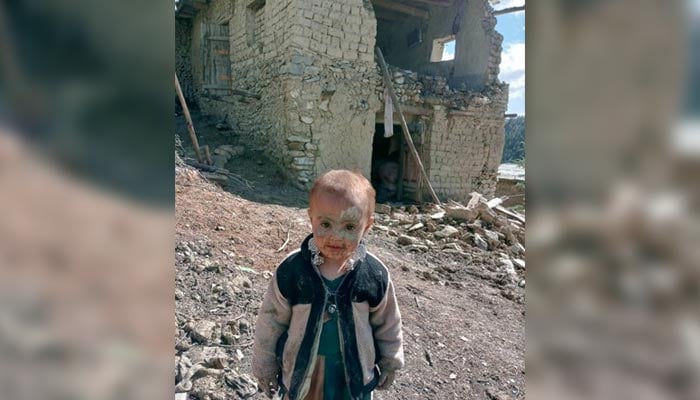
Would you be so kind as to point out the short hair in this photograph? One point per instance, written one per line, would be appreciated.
(351, 185)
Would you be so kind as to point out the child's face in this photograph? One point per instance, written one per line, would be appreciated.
(338, 225)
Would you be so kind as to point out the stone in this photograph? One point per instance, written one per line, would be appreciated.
(417, 247)
(492, 238)
(210, 357)
(303, 60)
(415, 227)
(480, 242)
(382, 209)
(307, 120)
(310, 146)
(296, 146)
(438, 215)
(323, 105)
(452, 246)
(446, 232)
(312, 70)
(507, 266)
(407, 240)
(241, 281)
(203, 331)
(303, 161)
(292, 69)
(294, 93)
(519, 263)
(517, 249)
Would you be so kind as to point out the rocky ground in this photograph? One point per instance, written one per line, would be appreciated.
(458, 271)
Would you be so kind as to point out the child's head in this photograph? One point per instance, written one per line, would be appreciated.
(341, 209)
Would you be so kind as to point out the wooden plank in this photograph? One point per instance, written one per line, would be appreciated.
(509, 10)
(404, 126)
(438, 3)
(233, 91)
(190, 126)
(412, 110)
(402, 8)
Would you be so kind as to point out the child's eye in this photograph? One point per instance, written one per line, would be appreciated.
(350, 227)
(325, 225)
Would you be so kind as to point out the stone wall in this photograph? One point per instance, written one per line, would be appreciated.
(312, 63)
(183, 61)
(464, 147)
(477, 44)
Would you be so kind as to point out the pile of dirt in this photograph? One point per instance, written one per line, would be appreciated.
(463, 317)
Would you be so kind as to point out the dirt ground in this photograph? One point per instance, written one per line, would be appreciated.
(463, 324)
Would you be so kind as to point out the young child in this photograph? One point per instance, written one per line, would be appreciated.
(329, 326)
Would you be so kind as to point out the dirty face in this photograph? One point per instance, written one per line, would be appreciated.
(338, 225)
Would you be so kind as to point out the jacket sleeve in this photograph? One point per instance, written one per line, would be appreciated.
(273, 320)
(385, 319)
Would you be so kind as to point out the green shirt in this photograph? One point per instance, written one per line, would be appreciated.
(334, 386)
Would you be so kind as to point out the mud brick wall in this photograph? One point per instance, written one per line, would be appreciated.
(464, 147)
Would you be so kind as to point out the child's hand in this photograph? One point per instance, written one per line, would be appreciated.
(386, 378)
(267, 387)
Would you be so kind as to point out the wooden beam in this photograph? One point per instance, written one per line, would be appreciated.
(238, 92)
(411, 110)
(404, 126)
(438, 3)
(190, 126)
(402, 8)
(508, 10)
(510, 116)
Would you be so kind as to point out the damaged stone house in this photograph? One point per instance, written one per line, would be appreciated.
(299, 78)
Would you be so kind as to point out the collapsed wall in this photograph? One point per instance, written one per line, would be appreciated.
(312, 64)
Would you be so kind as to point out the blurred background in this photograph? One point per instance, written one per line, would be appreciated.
(86, 193)
(613, 150)
(86, 168)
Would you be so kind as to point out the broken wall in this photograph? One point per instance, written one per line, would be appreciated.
(312, 63)
(477, 44)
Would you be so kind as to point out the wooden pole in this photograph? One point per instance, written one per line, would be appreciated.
(508, 10)
(207, 154)
(404, 126)
(190, 127)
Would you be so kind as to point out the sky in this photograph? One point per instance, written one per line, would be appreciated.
(512, 27)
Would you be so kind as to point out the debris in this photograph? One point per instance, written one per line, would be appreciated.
(426, 353)
(438, 215)
(246, 269)
(417, 247)
(382, 209)
(447, 232)
(453, 376)
(415, 227)
(480, 242)
(452, 246)
(519, 263)
(203, 331)
(407, 240)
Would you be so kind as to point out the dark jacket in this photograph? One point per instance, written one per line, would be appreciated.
(291, 317)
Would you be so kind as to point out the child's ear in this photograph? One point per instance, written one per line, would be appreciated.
(370, 222)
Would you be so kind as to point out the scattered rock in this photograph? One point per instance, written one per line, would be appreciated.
(203, 331)
(447, 232)
(519, 263)
(452, 246)
(382, 209)
(417, 247)
(407, 240)
(415, 227)
(480, 242)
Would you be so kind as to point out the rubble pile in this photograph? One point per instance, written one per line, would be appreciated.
(480, 229)
(212, 347)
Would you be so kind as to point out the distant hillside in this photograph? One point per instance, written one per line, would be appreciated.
(514, 149)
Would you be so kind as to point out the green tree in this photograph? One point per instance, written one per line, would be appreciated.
(514, 148)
